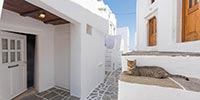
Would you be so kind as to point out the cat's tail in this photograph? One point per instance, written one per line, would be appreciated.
(180, 76)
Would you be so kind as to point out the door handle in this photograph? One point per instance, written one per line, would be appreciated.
(13, 66)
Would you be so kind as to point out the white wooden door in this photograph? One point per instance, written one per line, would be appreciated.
(13, 66)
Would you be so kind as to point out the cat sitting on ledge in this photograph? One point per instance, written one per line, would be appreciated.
(149, 71)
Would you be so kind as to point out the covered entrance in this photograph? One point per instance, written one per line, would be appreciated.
(191, 20)
(21, 22)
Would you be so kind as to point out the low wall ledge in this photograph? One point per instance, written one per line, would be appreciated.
(177, 83)
(161, 53)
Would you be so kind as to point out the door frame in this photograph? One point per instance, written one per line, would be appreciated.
(183, 21)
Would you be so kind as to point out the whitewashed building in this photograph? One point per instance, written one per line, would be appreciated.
(69, 47)
(124, 33)
(167, 35)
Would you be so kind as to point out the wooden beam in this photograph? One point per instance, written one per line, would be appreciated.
(53, 20)
(29, 13)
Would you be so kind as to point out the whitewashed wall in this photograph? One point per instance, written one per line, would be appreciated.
(168, 13)
(62, 55)
(93, 60)
(147, 92)
(75, 60)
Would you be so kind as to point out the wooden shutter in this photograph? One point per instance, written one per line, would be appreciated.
(152, 32)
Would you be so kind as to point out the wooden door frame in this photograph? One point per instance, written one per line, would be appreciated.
(183, 20)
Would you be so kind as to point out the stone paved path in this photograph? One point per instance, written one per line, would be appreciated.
(108, 90)
(51, 94)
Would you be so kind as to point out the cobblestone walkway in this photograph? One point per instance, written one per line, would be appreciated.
(51, 94)
(108, 90)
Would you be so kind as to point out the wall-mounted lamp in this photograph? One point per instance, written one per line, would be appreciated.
(42, 15)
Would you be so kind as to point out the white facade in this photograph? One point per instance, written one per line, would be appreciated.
(124, 33)
(168, 15)
(148, 92)
(66, 55)
(169, 26)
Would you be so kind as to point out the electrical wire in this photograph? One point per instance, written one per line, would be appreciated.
(131, 13)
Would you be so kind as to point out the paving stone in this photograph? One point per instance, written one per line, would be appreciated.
(110, 84)
(32, 97)
(43, 93)
(73, 98)
(59, 91)
(52, 89)
(65, 93)
(58, 98)
(50, 95)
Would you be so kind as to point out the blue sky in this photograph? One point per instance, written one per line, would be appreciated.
(125, 14)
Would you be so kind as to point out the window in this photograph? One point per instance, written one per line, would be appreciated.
(11, 50)
(89, 29)
(4, 51)
(4, 44)
(152, 31)
(190, 3)
(193, 6)
(196, 2)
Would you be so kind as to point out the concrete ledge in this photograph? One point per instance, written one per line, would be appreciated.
(134, 91)
(149, 81)
(162, 53)
(177, 83)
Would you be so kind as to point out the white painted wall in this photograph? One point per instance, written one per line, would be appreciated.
(129, 91)
(62, 55)
(44, 78)
(1, 7)
(75, 57)
(188, 66)
(92, 60)
(168, 13)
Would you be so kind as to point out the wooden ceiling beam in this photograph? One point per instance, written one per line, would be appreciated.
(51, 21)
(29, 13)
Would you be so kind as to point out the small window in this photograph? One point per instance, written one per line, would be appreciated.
(196, 2)
(12, 56)
(4, 57)
(4, 44)
(18, 56)
(12, 44)
(190, 3)
(18, 45)
(89, 29)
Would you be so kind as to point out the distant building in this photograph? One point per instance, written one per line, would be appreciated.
(124, 33)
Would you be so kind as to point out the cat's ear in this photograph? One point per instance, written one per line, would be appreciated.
(127, 60)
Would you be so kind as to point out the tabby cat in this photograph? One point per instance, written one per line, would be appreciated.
(149, 71)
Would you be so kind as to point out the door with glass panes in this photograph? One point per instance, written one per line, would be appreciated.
(12, 65)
